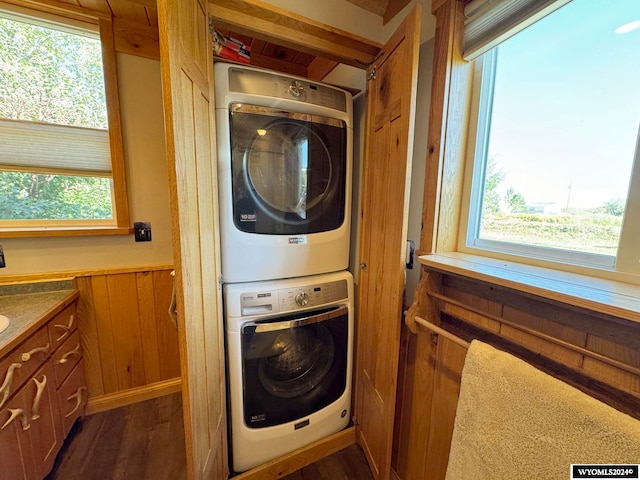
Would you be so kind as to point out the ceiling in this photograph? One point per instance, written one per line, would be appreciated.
(146, 12)
(264, 53)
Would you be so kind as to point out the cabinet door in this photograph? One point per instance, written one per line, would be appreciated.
(391, 94)
(72, 398)
(43, 415)
(16, 458)
(187, 84)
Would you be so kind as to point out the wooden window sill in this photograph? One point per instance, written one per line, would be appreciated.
(63, 232)
(598, 295)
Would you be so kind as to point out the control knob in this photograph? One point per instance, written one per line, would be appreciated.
(302, 299)
(296, 88)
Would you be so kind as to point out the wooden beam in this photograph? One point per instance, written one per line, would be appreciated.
(447, 135)
(393, 8)
(271, 24)
(136, 39)
(374, 6)
(264, 61)
(62, 9)
(320, 68)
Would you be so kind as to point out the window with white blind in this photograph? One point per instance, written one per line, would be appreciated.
(554, 163)
(55, 154)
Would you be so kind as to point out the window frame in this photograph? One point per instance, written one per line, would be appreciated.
(120, 225)
(469, 241)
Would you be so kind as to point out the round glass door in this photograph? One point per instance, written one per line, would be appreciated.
(288, 169)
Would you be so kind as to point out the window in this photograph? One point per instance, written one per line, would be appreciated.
(556, 140)
(56, 138)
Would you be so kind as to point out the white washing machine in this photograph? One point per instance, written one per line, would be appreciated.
(289, 359)
(284, 167)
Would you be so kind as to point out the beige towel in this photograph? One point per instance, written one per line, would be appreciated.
(515, 422)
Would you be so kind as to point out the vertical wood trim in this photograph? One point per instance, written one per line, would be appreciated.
(446, 389)
(125, 321)
(167, 331)
(448, 122)
(148, 326)
(105, 333)
(116, 143)
(89, 338)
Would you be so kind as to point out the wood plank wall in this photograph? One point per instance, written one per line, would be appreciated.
(127, 336)
(430, 379)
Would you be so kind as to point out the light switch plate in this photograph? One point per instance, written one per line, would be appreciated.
(142, 231)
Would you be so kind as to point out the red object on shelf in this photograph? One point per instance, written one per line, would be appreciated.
(231, 49)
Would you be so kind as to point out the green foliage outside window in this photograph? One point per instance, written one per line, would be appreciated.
(51, 76)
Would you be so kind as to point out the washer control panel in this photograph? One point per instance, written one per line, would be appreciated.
(294, 298)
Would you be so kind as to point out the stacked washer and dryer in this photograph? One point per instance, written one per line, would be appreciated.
(284, 169)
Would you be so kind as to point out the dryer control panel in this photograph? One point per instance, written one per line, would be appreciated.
(294, 298)
(273, 85)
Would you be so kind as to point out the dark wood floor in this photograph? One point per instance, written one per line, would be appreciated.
(145, 441)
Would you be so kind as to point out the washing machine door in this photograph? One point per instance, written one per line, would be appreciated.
(293, 366)
(289, 171)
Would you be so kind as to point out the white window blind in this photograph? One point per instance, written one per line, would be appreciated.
(490, 22)
(53, 148)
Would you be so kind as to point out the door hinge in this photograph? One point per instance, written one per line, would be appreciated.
(219, 282)
(372, 73)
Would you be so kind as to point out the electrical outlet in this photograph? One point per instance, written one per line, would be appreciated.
(142, 231)
(2, 262)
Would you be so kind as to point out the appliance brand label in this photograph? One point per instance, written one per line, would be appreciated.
(297, 240)
(247, 217)
(261, 417)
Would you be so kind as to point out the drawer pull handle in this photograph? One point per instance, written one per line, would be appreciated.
(65, 357)
(78, 398)
(27, 355)
(40, 386)
(6, 385)
(65, 328)
(15, 413)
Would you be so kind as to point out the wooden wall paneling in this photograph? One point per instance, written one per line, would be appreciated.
(127, 337)
(446, 389)
(89, 337)
(405, 389)
(104, 328)
(167, 331)
(625, 353)
(416, 422)
(149, 319)
(549, 349)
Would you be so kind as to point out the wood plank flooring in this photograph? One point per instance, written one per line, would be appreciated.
(145, 441)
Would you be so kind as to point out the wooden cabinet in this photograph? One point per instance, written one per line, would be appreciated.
(41, 395)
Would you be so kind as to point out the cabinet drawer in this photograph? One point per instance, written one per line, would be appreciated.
(72, 398)
(18, 367)
(16, 458)
(66, 357)
(62, 326)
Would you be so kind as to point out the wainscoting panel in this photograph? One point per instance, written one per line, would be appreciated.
(128, 338)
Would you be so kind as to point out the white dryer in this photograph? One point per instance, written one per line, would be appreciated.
(284, 169)
(289, 359)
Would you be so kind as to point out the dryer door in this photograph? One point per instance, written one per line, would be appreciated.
(289, 171)
(293, 366)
